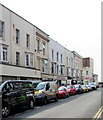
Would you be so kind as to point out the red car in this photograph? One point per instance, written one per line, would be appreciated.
(63, 92)
(72, 89)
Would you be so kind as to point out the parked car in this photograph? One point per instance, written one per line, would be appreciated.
(63, 92)
(85, 88)
(79, 89)
(16, 93)
(46, 91)
(89, 87)
(72, 89)
(93, 85)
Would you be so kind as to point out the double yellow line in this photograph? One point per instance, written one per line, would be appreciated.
(99, 114)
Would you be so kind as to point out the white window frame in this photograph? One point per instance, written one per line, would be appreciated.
(30, 59)
(45, 66)
(5, 52)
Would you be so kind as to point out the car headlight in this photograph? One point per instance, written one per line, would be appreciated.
(40, 93)
(29, 95)
(60, 91)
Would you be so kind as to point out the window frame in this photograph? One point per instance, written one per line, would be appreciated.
(27, 40)
(2, 29)
(44, 48)
(18, 63)
(30, 60)
(44, 66)
(17, 36)
(3, 53)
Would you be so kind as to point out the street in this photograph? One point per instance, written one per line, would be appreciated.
(78, 106)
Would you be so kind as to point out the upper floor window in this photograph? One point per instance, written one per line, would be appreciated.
(43, 48)
(38, 45)
(61, 58)
(86, 72)
(57, 69)
(67, 60)
(44, 66)
(27, 40)
(67, 71)
(3, 53)
(29, 59)
(17, 58)
(62, 69)
(52, 68)
(17, 36)
(52, 54)
(57, 57)
(1, 29)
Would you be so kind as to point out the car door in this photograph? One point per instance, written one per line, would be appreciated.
(9, 94)
(48, 91)
(24, 88)
(17, 91)
(74, 89)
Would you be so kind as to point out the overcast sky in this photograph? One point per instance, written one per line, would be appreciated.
(76, 24)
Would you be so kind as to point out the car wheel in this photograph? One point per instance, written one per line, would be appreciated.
(64, 95)
(5, 111)
(56, 99)
(75, 93)
(44, 101)
(68, 94)
(31, 104)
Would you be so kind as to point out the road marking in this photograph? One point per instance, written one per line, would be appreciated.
(98, 114)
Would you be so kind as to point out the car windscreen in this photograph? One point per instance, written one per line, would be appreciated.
(92, 83)
(76, 86)
(35, 84)
(68, 87)
(61, 88)
(40, 86)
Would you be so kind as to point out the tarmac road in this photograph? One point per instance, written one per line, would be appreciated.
(78, 106)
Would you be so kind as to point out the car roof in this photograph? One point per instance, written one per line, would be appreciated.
(15, 81)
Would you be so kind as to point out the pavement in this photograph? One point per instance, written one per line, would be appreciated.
(87, 105)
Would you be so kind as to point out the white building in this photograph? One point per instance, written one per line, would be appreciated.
(57, 60)
(17, 47)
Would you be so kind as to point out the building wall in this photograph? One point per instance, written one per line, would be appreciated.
(57, 48)
(12, 22)
(43, 38)
(88, 70)
(77, 66)
(42, 63)
(68, 64)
